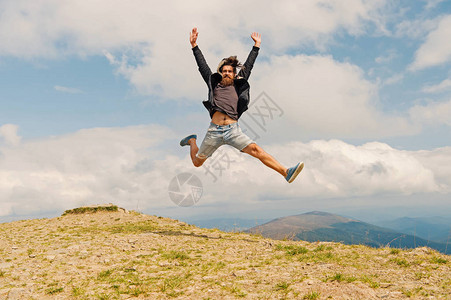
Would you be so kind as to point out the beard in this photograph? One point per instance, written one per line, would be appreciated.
(226, 81)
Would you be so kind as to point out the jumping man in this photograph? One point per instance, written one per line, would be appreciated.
(228, 98)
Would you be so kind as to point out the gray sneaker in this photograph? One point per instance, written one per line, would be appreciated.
(294, 171)
(184, 142)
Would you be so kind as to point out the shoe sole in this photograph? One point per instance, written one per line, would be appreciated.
(296, 172)
(186, 143)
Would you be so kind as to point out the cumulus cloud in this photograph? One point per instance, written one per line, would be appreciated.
(445, 85)
(9, 134)
(318, 96)
(393, 79)
(390, 56)
(90, 166)
(154, 59)
(432, 113)
(437, 160)
(415, 29)
(56, 25)
(322, 96)
(432, 3)
(337, 169)
(436, 49)
(134, 165)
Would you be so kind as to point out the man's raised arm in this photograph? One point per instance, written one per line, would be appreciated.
(245, 72)
(204, 69)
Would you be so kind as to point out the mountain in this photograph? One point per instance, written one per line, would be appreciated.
(285, 227)
(436, 229)
(322, 226)
(105, 252)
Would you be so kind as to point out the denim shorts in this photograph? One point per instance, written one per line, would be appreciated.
(218, 135)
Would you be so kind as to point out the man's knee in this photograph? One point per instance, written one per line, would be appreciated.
(253, 149)
(198, 162)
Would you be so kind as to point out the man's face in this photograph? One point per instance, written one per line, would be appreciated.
(227, 75)
(227, 71)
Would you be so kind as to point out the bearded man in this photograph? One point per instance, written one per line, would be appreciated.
(228, 98)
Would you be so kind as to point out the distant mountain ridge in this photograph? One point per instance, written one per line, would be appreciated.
(437, 229)
(323, 226)
(280, 228)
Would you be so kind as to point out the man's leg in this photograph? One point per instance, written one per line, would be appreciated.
(211, 142)
(197, 162)
(256, 151)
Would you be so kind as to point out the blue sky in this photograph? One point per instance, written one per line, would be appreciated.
(96, 95)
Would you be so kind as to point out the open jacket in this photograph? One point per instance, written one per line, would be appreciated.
(241, 84)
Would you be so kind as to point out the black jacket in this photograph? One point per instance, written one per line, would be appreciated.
(242, 87)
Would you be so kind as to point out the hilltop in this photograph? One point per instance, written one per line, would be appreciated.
(116, 254)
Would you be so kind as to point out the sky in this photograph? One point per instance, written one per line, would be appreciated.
(96, 95)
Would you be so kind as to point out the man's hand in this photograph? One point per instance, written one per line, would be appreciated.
(193, 37)
(257, 37)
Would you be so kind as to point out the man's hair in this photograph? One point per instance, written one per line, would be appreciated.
(229, 61)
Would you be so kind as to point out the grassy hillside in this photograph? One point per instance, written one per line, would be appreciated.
(120, 254)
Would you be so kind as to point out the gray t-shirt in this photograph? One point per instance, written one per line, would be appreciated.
(226, 100)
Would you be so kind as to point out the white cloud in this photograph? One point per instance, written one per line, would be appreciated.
(445, 85)
(98, 165)
(436, 49)
(310, 22)
(383, 59)
(415, 29)
(432, 3)
(337, 101)
(374, 168)
(323, 96)
(433, 113)
(437, 160)
(134, 165)
(393, 79)
(69, 90)
(335, 173)
(147, 43)
(90, 27)
(9, 134)
(153, 59)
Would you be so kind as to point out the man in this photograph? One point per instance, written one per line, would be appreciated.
(228, 98)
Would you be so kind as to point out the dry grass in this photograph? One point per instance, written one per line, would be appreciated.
(116, 255)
